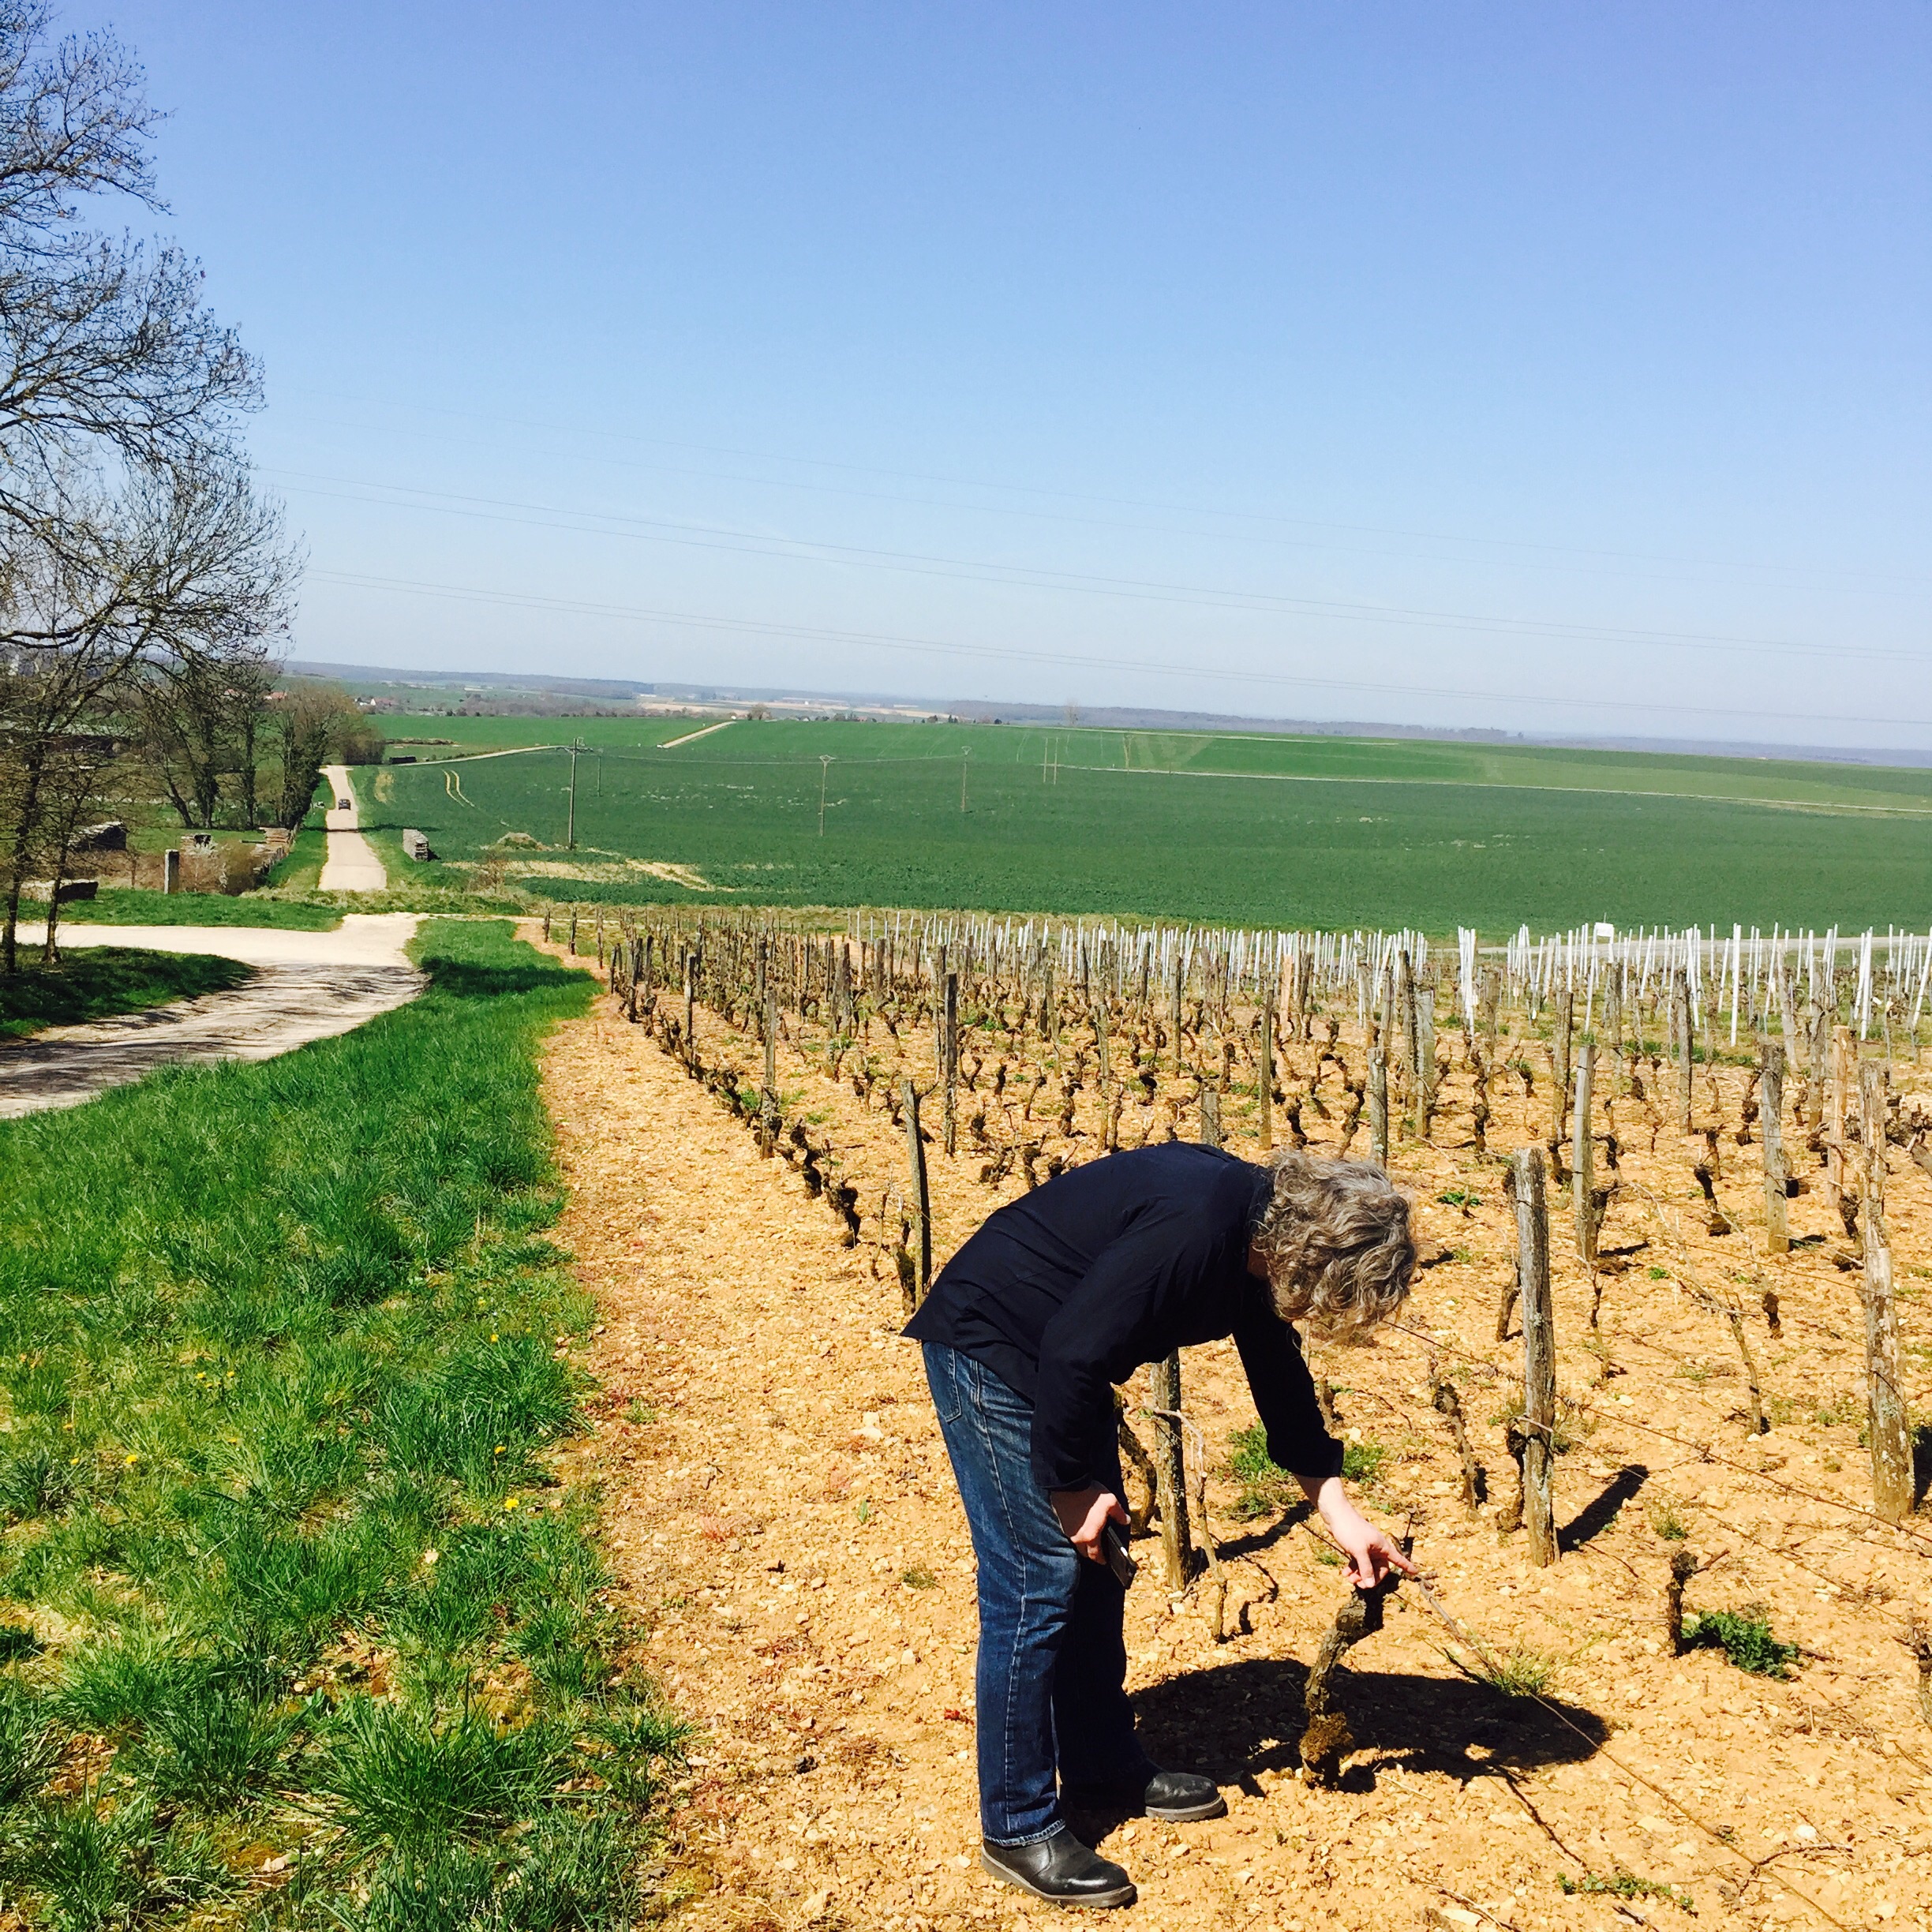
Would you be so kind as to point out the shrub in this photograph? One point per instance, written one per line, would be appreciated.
(1745, 1637)
(1623, 1885)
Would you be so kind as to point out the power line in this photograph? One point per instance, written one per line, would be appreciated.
(756, 543)
(1274, 518)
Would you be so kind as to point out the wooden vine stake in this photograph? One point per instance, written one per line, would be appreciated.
(1844, 1057)
(1891, 1441)
(1539, 1421)
(1425, 1060)
(1380, 1023)
(1266, 1126)
(922, 1197)
(949, 1063)
(768, 1093)
(1680, 1043)
(1171, 1470)
(1582, 1159)
(1771, 1127)
(1164, 1394)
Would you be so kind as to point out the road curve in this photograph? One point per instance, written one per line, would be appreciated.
(307, 987)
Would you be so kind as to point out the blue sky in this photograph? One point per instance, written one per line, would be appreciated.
(1556, 367)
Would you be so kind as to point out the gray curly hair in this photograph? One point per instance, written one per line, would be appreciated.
(1335, 1240)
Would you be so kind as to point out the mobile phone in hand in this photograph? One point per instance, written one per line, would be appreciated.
(1114, 1549)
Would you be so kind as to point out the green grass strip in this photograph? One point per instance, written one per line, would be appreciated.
(123, 905)
(93, 982)
(302, 1630)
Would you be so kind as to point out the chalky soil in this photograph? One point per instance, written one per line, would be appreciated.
(779, 1508)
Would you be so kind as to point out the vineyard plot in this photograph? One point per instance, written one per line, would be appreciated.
(1711, 1398)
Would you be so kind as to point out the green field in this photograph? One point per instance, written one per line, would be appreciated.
(123, 906)
(1267, 830)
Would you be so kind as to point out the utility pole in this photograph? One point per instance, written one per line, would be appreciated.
(825, 766)
(569, 834)
(963, 756)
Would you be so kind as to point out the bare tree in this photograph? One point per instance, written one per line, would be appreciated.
(154, 599)
(142, 581)
(107, 349)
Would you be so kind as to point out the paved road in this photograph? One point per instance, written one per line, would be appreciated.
(351, 865)
(307, 987)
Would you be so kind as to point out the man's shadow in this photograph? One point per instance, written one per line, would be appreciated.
(1239, 1718)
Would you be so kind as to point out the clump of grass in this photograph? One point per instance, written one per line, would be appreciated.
(29, 1746)
(89, 1865)
(1624, 1884)
(1465, 1198)
(1518, 1672)
(917, 1577)
(1266, 1488)
(277, 1344)
(1667, 1523)
(400, 1778)
(213, 1747)
(1745, 1637)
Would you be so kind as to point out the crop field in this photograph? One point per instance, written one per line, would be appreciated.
(1286, 832)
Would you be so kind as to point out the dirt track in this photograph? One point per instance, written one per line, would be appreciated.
(307, 987)
(780, 1506)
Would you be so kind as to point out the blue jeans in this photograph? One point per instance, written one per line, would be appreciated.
(1050, 1693)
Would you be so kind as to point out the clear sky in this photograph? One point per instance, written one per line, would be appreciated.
(1555, 367)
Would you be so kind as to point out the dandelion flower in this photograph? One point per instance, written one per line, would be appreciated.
(510, 1502)
(130, 1460)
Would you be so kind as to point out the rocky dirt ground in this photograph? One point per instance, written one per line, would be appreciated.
(780, 1509)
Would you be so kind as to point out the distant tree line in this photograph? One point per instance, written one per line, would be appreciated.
(145, 585)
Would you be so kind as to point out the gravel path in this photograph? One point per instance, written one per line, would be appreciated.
(352, 865)
(308, 987)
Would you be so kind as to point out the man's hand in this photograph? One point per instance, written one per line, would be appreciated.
(1371, 1552)
(1084, 1513)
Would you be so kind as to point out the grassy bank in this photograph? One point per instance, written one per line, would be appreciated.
(303, 1631)
(93, 982)
(300, 868)
(127, 906)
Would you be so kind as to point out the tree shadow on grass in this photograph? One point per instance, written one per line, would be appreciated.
(464, 979)
(1236, 1719)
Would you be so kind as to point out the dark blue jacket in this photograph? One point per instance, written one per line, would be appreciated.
(1066, 1291)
